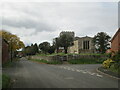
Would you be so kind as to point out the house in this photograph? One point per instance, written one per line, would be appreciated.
(5, 51)
(82, 45)
(115, 41)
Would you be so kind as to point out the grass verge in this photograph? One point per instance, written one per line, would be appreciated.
(9, 63)
(46, 62)
(6, 81)
(115, 70)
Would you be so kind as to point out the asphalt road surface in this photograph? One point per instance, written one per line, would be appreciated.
(29, 74)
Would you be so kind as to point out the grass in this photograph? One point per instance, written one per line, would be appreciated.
(9, 63)
(6, 81)
(85, 61)
(115, 70)
(46, 62)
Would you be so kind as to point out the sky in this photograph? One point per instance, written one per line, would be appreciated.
(36, 22)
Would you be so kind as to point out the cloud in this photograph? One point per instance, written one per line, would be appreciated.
(38, 22)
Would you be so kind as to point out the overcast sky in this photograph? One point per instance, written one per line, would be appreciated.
(35, 22)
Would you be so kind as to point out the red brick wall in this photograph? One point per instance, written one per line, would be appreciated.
(5, 53)
(119, 41)
(115, 45)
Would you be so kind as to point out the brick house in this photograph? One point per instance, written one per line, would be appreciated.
(115, 41)
(5, 52)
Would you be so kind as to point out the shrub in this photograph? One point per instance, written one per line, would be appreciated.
(101, 60)
(107, 63)
(84, 61)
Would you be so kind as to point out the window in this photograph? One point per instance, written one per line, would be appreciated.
(85, 44)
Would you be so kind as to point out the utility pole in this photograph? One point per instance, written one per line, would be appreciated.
(11, 48)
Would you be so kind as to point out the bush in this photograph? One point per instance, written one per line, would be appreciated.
(116, 57)
(107, 63)
(84, 61)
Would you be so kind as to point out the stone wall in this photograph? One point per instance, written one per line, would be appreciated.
(66, 57)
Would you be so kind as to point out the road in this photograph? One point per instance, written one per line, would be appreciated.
(29, 74)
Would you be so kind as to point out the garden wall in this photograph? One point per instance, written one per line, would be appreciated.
(67, 57)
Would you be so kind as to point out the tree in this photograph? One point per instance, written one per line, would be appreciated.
(65, 41)
(31, 50)
(101, 41)
(36, 48)
(51, 49)
(14, 41)
(27, 50)
(44, 47)
(56, 43)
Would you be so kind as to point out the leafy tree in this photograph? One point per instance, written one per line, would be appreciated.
(14, 41)
(36, 48)
(51, 49)
(65, 41)
(56, 43)
(101, 41)
(44, 47)
(31, 50)
(27, 50)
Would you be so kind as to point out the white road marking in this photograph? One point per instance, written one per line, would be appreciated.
(99, 75)
(82, 71)
(65, 68)
(78, 70)
(68, 68)
(69, 78)
(92, 74)
(72, 69)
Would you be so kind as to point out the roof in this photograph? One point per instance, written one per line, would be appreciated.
(115, 35)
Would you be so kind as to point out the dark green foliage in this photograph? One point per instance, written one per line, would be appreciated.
(36, 48)
(85, 61)
(101, 41)
(31, 50)
(5, 81)
(44, 47)
(51, 49)
(66, 41)
(56, 43)
(116, 58)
